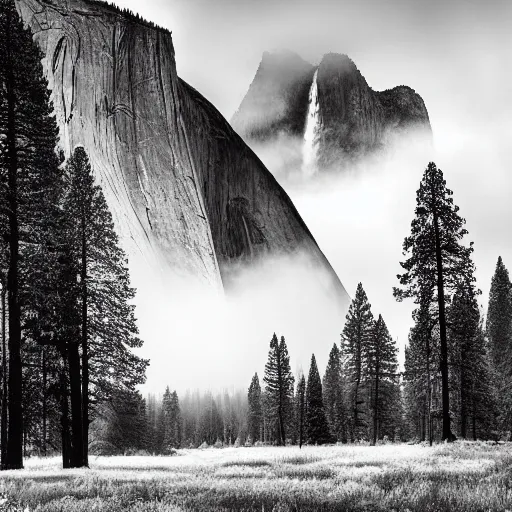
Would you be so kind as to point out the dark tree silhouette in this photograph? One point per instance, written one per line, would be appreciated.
(499, 319)
(28, 167)
(317, 428)
(436, 263)
(382, 369)
(333, 395)
(255, 412)
(355, 339)
(279, 382)
(300, 413)
(107, 322)
(471, 380)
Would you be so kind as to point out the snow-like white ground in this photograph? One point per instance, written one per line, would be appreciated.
(462, 476)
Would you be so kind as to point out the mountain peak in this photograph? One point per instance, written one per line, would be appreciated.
(338, 61)
(352, 120)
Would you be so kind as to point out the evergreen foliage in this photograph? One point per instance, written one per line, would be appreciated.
(355, 339)
(422, 358)
(279, 386)
(499, 315)
(317, 428)
(255, 412)
(107, 322)
(300, 413)
(171, 413)
(28, 176)
(333, 396)
(382, 373)
(436, 263)
(471, 379)
(120, 425)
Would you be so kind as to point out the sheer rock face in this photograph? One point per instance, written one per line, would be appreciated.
(186, 192)
(354, 120)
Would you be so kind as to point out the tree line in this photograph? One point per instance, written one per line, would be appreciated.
(67, 317)
(357, 399)
(363, 395)
(68, 375)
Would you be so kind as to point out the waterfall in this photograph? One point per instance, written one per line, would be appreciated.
(310, 146)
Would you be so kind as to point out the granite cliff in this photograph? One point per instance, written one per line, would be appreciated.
(330, 107)
(185, 190)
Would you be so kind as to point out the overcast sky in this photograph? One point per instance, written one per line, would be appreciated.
(456, 54)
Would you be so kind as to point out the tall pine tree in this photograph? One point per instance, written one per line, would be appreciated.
(279, 382)
(499, 326)
(255, 413)
(471, 381)
(382, 372)
(421, 369)
(107, 322)
(436, 262)
(172, 421)
(355, 338)
(317, 428)
(28, 170)
(333, 396)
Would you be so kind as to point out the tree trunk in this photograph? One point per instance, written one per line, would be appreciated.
(376, 405)
(14, 454)
(356, 418)
(463, 409)
(85, 349)
(77, 438)
(445, 393)
(301, 421)
(280, 411)
(43, 364)
(429, 394)
(282, 436)
(64, 420)
(3, 433)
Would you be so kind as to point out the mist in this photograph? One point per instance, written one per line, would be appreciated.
(455, 54)
(201, 338)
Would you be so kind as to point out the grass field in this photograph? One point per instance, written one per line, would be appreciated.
(462, 476)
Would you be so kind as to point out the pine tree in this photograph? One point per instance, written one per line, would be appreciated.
(255, 413)
(317, 428)
(333, 396)
(470, 376)
(279, 385)
(355, 339)
(3, 418)
(436, 263)
(121, 423)
(166, 413)
(382, 371)
(172, 421)
(422, 358)
(107, 322)
(28, 168)
(176, 421)
(300, 414)
(499, 316)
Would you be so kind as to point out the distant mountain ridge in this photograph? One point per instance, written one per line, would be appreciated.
(350, 119)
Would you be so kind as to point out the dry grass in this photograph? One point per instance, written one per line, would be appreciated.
(460, 477)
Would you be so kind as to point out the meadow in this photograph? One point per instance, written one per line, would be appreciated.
(463, 476)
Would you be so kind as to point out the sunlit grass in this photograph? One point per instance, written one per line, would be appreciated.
(463, 476)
